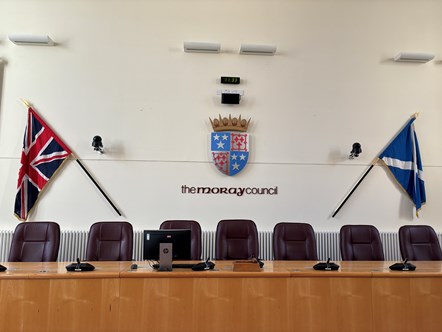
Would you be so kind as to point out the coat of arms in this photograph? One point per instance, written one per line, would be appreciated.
(230, 144)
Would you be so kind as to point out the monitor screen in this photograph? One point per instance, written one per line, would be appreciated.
(180, 239)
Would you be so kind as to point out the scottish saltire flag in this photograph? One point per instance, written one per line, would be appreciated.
(230, 151)
(43, 153)
(403, 159)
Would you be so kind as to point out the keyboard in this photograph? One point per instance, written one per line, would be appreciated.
(176, 266)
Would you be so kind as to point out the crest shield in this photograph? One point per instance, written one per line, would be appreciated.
(230, 151)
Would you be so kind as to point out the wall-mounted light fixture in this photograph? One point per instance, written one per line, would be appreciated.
(31, 40)
(202, 47)
(413, 57)
(257, 49)
(355, 151)
(97, 144)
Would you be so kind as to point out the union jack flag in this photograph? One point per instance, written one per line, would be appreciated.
(43, 153)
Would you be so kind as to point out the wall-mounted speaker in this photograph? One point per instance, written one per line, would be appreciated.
(230, 98)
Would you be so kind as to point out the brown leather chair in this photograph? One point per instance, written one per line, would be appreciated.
(195, 229)
(110, 241)
(35, 242)
(236, 239)
(294, 241)
(419, 243)
(361, 243)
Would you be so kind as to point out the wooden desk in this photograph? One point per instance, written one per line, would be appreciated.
(45, 297)
(285, 296)
(408, 301)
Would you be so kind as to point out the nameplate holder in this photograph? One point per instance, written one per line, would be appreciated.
(246, 266)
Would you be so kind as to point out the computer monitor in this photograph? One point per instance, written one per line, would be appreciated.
(180, 239)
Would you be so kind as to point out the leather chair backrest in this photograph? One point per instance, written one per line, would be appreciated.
(361, 243)
(195, 228)
(294, 241)
(236, 239)
(35, 242)
(110, 241)
(419, 243)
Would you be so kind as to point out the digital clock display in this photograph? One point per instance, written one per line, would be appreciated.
(230, 80)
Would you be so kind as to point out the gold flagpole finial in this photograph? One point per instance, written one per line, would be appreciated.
(416, 115)
(25, 102)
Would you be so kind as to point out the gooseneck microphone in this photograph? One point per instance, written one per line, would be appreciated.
(78, 267)
(405, 264)
(207, 264)
(327, 266)
(203, 266)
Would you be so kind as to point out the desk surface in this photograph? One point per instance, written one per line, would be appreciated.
(275, 269)
(55, 270)
(272, 269)
(360, 296)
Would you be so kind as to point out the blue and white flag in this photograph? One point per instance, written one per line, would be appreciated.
(403, 159)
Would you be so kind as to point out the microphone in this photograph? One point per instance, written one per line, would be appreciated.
(327, 265)
(259, 261)
(78, 268)
(403, 266)
(207, 265)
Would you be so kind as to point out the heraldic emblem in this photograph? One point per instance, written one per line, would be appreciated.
(230, 144)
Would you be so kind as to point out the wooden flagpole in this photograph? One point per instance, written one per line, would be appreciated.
(354, 188)
(27, 104)
(96, 184)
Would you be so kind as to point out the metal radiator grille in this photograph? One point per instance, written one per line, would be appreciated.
(73, 245)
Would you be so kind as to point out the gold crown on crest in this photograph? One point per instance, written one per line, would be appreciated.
(229, 124)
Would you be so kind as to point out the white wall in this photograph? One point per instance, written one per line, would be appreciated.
(119, 71)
